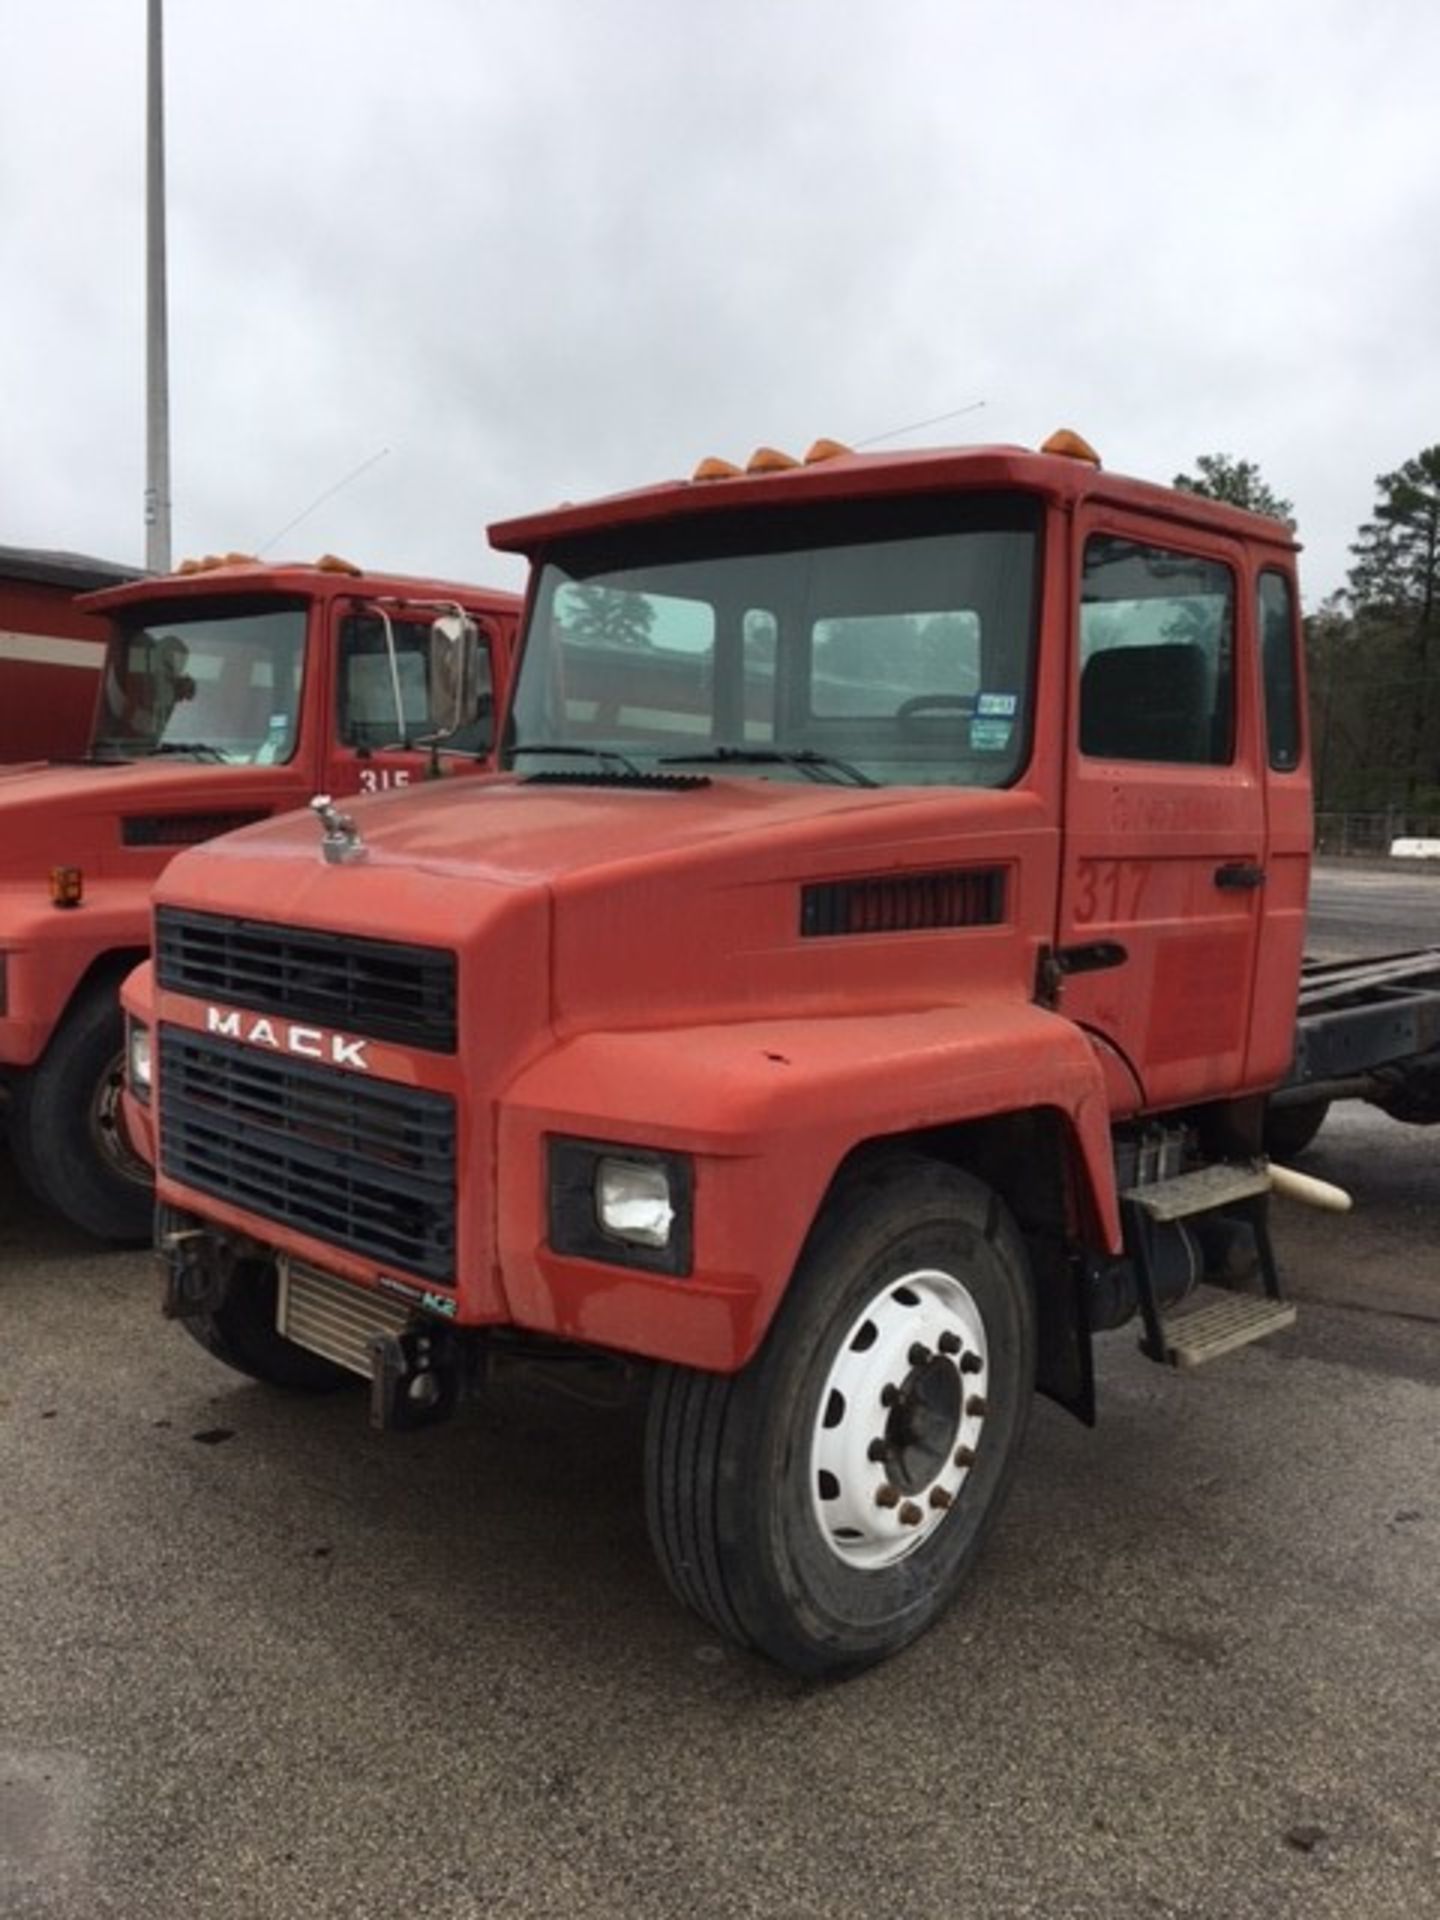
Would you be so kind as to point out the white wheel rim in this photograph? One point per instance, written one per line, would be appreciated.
(899, 1420)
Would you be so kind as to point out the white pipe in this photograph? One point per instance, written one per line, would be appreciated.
(1310, 1191)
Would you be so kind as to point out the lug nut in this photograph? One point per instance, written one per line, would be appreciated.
(919, 1355)
(876, 1450)
(887, 1496)
(940, 1499)
(889, 1395)
(965, 1456)
(976, 1405)
(949, 1343)
(910, 1515)
(971, 1363)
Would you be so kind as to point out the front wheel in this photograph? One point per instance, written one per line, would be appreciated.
(242, 1332)
(67, 1128)
(825, 1504)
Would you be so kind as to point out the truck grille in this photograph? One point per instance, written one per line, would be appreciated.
(363, 1164)
(380, 988)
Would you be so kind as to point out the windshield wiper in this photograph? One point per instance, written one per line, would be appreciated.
(585, 753)
(815, 766)
(199, 748)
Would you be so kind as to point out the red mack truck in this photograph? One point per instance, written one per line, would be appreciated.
(51, 650)
(863, 985)
(231, 691)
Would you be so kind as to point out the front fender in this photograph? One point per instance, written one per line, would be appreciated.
(768, 1111)
(50, 949)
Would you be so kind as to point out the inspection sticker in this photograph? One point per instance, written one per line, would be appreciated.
(990, 736)
(997, 705)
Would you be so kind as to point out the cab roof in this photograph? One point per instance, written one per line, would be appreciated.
(50, 567)
(237, 574)
(840, 474)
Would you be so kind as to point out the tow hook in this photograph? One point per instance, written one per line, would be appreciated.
(197, 1276)
(415, 1379)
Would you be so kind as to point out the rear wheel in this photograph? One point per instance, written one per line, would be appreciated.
(825, 1504)
(1289, 1130)
(67, 1129)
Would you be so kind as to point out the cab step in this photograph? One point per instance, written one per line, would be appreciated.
(1208, 1190)
(1221, 1323)
(1159, 1235)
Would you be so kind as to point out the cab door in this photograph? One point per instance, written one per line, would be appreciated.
(382, 699)
(1163, 863)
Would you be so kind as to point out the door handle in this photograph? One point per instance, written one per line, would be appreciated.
(1239, 876)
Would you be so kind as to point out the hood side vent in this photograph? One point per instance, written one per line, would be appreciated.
(184, 829)
(904, 903)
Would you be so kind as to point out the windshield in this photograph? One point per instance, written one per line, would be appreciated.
(222, 684)
(880, 642)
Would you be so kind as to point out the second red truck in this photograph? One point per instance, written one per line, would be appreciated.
(229, 691)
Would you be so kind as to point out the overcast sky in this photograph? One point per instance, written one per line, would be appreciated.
(546, 250)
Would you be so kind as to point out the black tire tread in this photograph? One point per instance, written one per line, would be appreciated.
(242, 1334)
(682, 1448)
(63, 1174)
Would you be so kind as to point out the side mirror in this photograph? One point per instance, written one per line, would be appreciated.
(456, 651)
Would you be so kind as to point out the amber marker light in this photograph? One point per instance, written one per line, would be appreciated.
(1071, 446)
(67, 886)
(714, 468)
(770, 460)
(332, 563)
(823, 449)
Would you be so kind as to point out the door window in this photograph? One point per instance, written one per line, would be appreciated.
(385, 703)
(1157, 652)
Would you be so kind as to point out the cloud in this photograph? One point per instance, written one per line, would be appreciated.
(550, 251)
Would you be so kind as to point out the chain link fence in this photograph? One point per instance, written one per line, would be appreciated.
(1371, 834)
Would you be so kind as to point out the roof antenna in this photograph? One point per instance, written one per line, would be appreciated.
(894, 433)
(321, 498)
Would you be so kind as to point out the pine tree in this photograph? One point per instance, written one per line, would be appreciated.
(1394, 591)
(1238, 482)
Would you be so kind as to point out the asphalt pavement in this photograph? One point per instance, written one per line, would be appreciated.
(1358, 909)
(256, 1661)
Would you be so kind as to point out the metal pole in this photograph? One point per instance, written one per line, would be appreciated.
(157, 358)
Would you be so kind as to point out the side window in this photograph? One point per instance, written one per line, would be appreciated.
(1275, 614)
(1157, 655)
(387, 704)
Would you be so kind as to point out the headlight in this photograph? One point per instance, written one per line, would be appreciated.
(138, 1060)
(627, 1206)
(632, 1201)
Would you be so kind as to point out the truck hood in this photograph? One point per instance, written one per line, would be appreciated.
(506, 831)
(123, 819)
(655, 899)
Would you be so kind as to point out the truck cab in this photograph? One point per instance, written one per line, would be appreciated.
(229, 692)
(860, 988)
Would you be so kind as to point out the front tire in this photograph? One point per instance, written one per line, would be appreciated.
(825, 1504)
(67, 1131)
(242, 1333)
